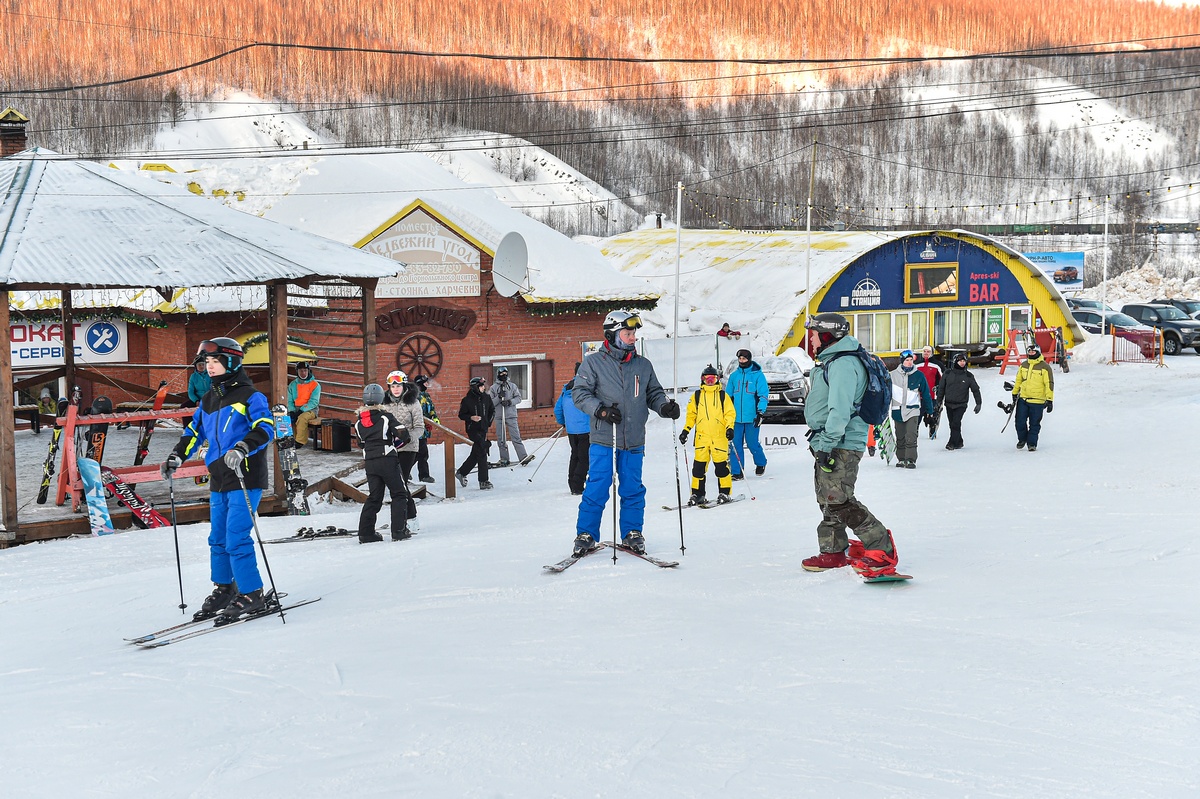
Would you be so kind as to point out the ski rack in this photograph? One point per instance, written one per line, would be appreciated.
(69, 480)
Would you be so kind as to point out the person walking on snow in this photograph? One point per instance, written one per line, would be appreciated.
(1033, 392)
(837, 439)
(711, 413)
(236, 422)
(429, 412)
(402, 401)
(477, 411)
(954, 388)
(932, 369)
(303, 401)
(911, 400)
(381, 436)
(579, 427)
(617, 389)
(747, 387)
(505, 398)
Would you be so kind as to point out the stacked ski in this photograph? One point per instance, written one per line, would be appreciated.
(310, 534)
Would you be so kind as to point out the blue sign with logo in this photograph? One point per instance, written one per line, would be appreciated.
(102, 338)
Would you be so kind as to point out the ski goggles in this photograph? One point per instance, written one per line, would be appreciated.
(906, 354)
(632, 322)
(710, 380)
(208, 348)
(396, 377)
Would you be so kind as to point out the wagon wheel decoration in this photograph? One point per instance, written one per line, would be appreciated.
(418, 355)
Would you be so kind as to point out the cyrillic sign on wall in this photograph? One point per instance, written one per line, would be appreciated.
(41, 343)
(438, 263)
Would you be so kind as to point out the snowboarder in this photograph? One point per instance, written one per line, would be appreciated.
(429, 412)
(748, 388)
(954, 388)
(477, 411)
(911, 401)
(505, 398)
(711, 413)
(303, 401)
(235, 421)
(838, 437)
(579, 427)
(617, 388)
(1033, 393)
(381, 437)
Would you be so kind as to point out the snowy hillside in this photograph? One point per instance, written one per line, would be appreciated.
(1046, 647)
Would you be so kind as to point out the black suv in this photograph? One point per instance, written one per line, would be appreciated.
(1189, 307)
(1178, 329)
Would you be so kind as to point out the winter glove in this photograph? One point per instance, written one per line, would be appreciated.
(871, 452)
(1050, 406)
(234, 457)
(824, 460)
(758, 419)
(402, 438)
(506, 403)
(729, 434)
(606, 414)
(978, 407)
(169, 466)
(670, 410)
(683, 436)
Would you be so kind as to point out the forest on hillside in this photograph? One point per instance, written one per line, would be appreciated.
(887, 106)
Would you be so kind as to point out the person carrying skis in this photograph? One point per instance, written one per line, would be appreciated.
(477, 411)
(303, 401)
(505, 398)
(837, 439)
(747, 387)
(954, 388)
(430, 413)
(1033, 393)
(911, 400)
(579, 427)
(381, 437)
(711, 413)
(932, 369)
(617, 389)
(198, 382)
(235, 420)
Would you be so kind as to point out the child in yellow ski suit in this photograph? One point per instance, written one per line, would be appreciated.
(711, 413)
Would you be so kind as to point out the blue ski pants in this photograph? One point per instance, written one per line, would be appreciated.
(599, 483)
(1029, 421)
(747, 432)
(230, 540)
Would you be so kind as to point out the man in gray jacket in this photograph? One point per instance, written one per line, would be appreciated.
(506, 396)
(617, 388)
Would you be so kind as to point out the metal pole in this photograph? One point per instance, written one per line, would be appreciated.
(1104, 282)
(812, 174)
(178, 564)
(678, 257)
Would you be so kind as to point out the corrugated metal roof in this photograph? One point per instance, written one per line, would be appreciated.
(66, 222)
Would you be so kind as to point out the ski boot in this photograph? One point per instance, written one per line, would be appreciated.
(824, 561)
(485, 485)
(373, 538)
(695, 499)
(634, 542)
(462, 479)
(584, 544)
(245, 606)
(759, 470)
(724, 498)
(217, 601)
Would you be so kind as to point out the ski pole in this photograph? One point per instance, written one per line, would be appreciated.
(678, 489)
(742, 468)
(614, 490)
(556, 434)
(552, 440)
(258, 535)
(178, 565)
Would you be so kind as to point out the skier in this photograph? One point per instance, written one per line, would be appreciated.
(303, 401)
(932, 369)
(430, 413)
(402, 401)
(578, 426)
(235, 421)
(711, 413)
(837, 439)
(617, 388)
(380, 436)
(1033, 392)
(198, 382)
(505, 398)
(477, 411)
(911, 400)
(748, 388)
(954, 388)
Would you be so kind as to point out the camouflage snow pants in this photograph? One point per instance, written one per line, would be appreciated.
(840, 509)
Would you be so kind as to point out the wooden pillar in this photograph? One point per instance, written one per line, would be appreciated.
(277, 341)
(68, 310)
(368, 335)
(8, 446)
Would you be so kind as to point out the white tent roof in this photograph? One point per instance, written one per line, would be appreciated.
(66, 222)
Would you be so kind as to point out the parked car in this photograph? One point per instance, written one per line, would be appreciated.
(1189, 307)
(787, 388)
(1080, 304)
(1066, 274)
(1178, 329)
(1122, 326)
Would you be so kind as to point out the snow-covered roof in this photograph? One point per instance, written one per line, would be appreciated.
(67, 222)
(349, 196)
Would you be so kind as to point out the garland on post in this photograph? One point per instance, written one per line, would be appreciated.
(142, 319)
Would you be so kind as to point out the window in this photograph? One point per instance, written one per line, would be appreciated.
(883, 332)
(977, 328)
(920, 330)
(862, 330)
(958, 327)
(901, 340)
(520, 374)
(941, 328)
(1018, 318)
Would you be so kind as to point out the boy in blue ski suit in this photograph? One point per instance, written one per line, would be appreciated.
(617, 388)
(236, 421)
(579, 428)
(748, 388)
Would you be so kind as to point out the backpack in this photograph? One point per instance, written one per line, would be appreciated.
(876, 400)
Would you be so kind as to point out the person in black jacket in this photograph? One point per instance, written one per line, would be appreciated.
(380, 436)
(477, 410)
(952, 390)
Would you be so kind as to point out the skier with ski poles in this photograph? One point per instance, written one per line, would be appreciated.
(617, 388)
(235, 420)
(506, 396)
(711, 413)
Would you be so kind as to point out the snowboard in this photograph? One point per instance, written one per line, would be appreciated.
(885, 438)
(93, 492)
(285, 442)
(887, 578)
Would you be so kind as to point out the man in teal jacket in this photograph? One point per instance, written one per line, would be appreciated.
(838, 437)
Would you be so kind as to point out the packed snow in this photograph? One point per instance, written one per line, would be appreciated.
(1046, 647)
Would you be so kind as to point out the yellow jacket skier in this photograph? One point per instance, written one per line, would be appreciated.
(711, 413)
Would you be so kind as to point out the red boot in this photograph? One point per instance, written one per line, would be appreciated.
(825, 561)
(876, 562)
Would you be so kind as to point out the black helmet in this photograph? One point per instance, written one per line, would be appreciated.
(959, 356)
(421, 380)
(1033, 350)
(228, 350)
(617, 321)
(303, 365)
(373, 394)
(710, 370)
(834, 324)
(476, 382)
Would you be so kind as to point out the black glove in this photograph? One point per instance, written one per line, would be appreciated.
(173, 462)
(670, 410)
(1050, 406)
(758, 419)
(506, 403)
(683, 436)
(978, 406)
(929, 420)
(729, 434)
(234, 457)
(402, 438)
(610, 415)
(871, 452)
(824, 460)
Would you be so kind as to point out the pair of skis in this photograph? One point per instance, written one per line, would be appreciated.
(197, 627)
(706, 505)
(567, 563)
(311, 534)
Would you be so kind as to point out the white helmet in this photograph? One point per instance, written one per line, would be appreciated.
(396, 376)
(616, 321)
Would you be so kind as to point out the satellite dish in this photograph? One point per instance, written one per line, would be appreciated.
(510, 265)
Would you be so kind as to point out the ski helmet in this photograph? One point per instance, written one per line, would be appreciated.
(709, 371)
(477, 382)
(396, 376)
(303, 365)
(836, 325)
(373, 394)
(226, 349)
(906, 354)
(616, 321)
(422, 381)
(961, 356)
(102, 404)
(1033, 351)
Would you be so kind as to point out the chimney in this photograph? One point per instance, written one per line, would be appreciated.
(12, 132)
